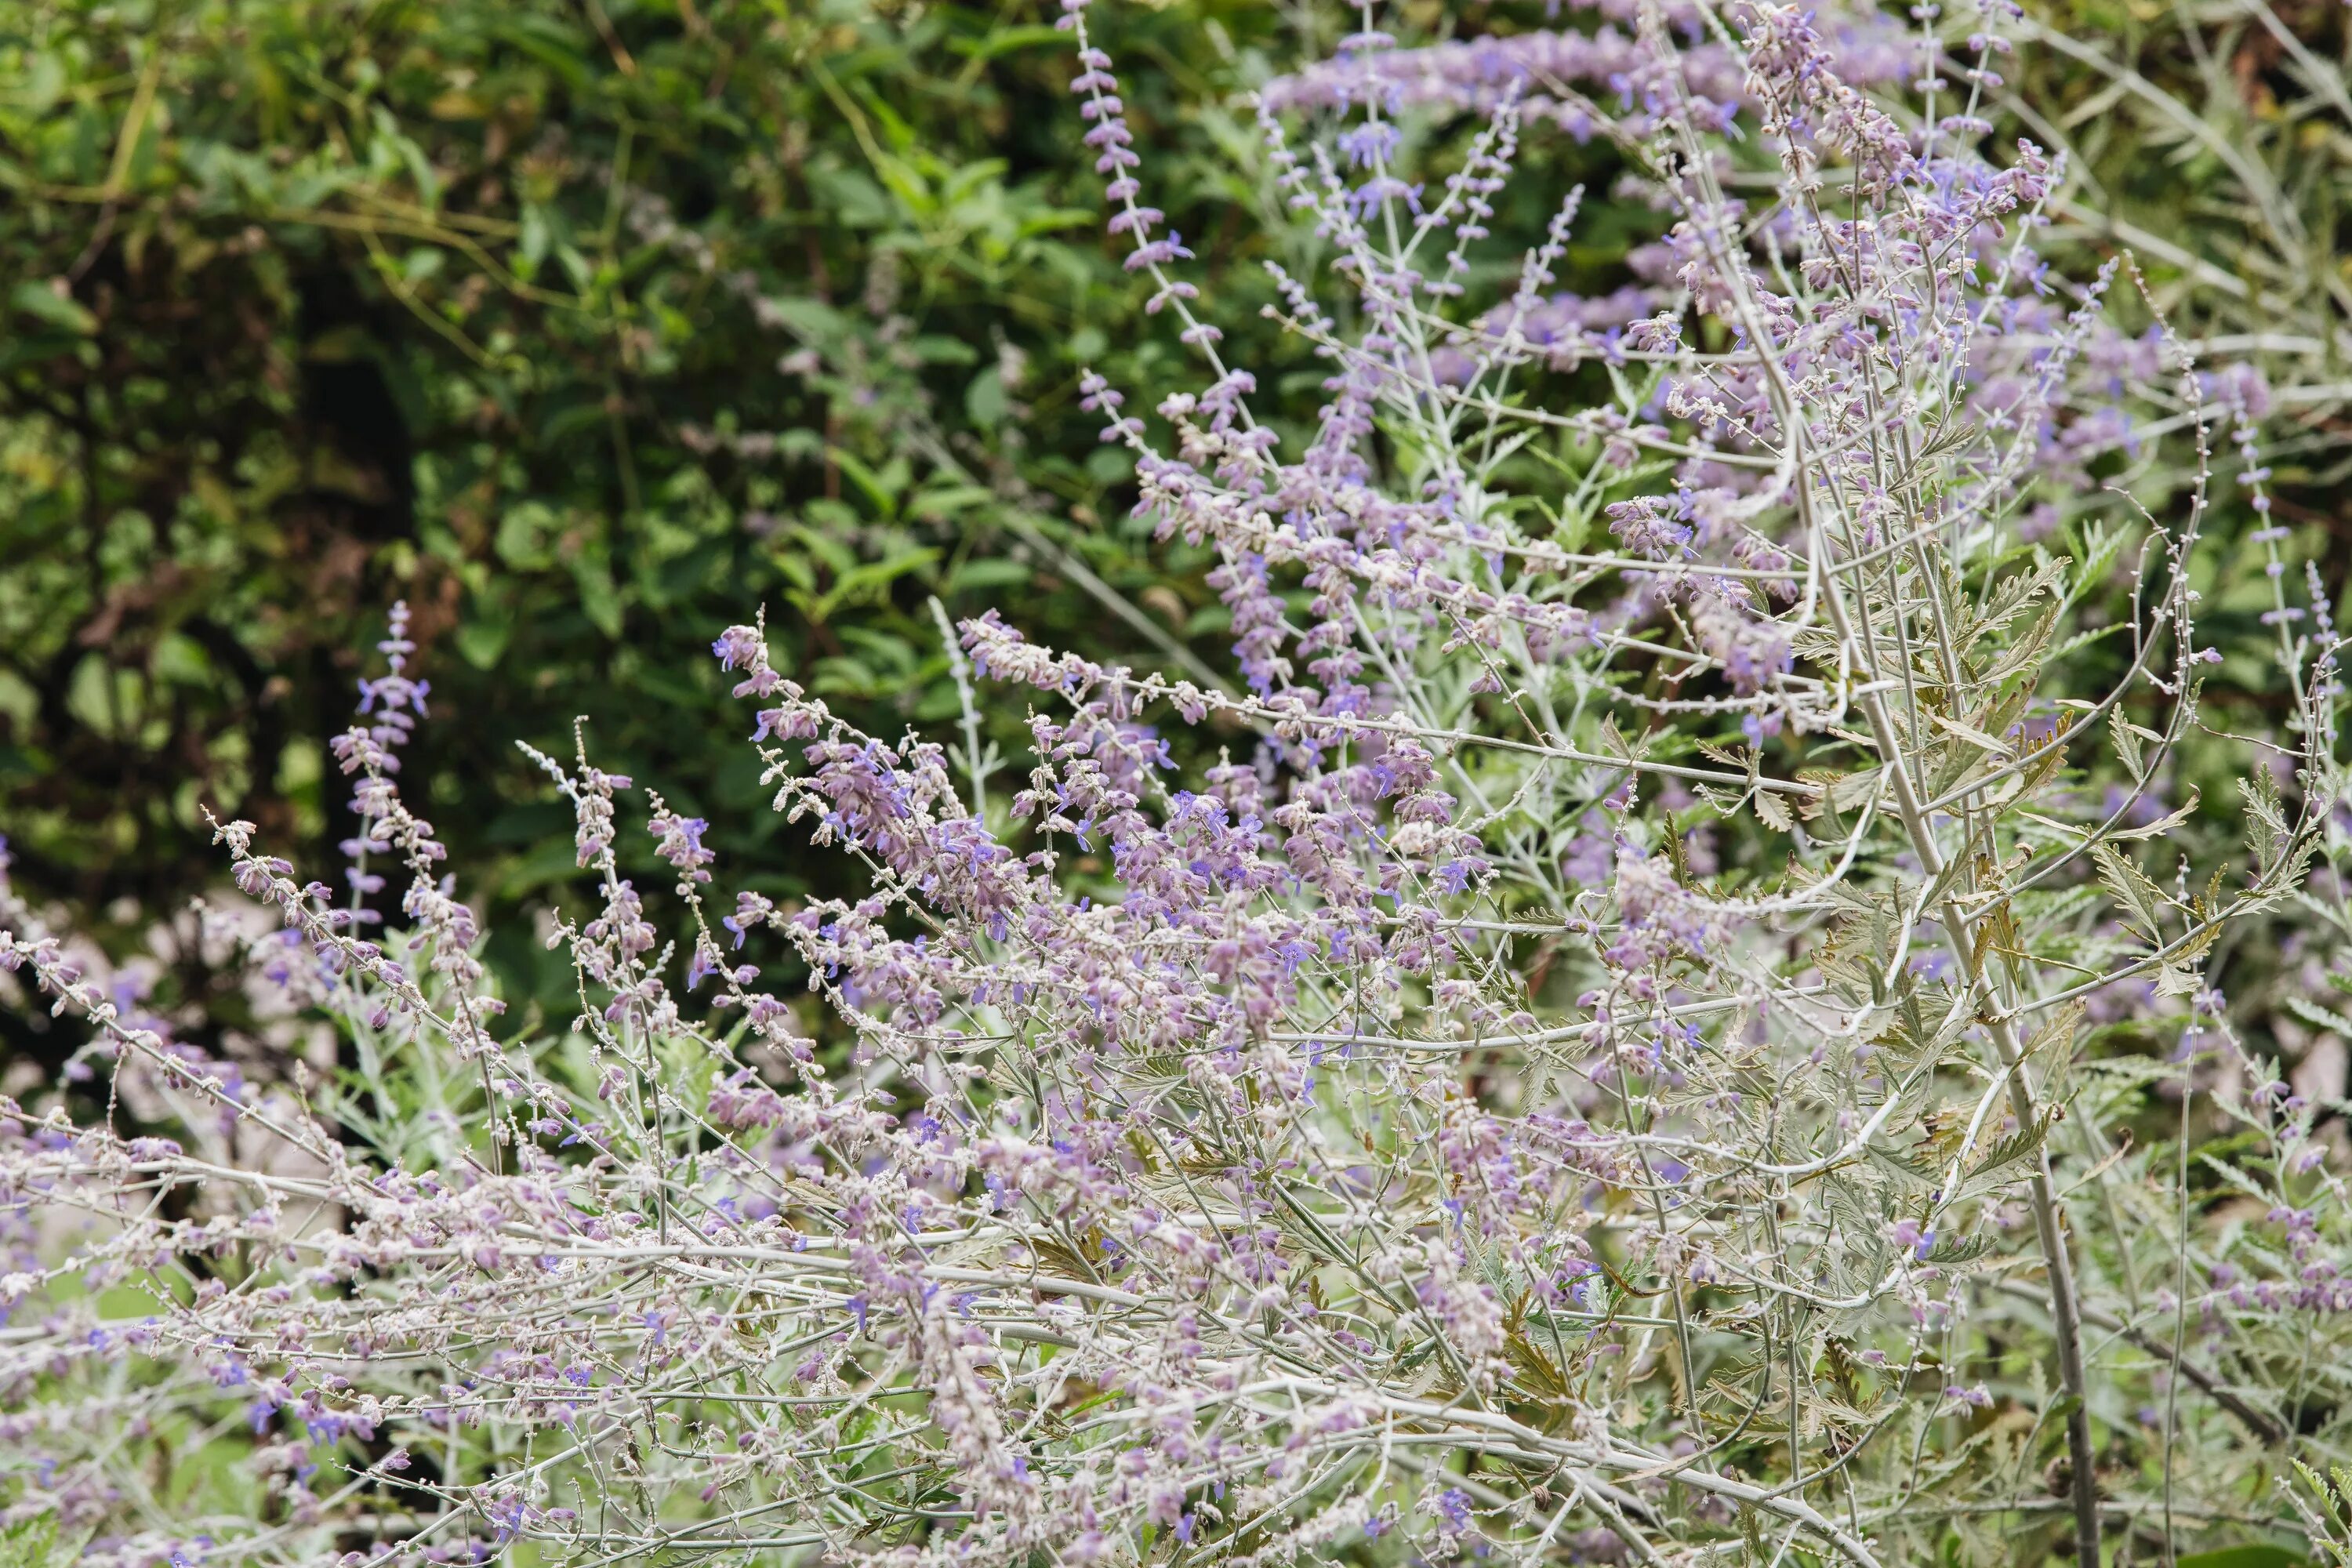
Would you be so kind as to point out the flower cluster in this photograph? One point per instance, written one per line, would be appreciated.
(1598, 1079)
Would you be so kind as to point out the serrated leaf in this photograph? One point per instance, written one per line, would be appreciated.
(1677, 853)
(2265, 824)
(2161, 825)
(2055, 1038)
(2015, 594)
(2176, 980)
(2098, 560)
(2043, 759)
(2131, 888)
(1536, 1370)
(32, 1544)
(1970, 734)
(2028, 653)
(1951, 1248)
(1906, 1173)
(2017, 1146)
(2127, 751)
(1854, 789)
(2323, 1017)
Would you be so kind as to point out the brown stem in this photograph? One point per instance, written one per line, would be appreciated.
(2268, 1429)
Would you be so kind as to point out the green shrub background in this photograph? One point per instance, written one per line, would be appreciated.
(590, 327)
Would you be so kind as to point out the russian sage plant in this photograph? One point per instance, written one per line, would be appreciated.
(1602, 1068)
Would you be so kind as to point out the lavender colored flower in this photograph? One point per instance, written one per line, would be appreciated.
(1591, 1047)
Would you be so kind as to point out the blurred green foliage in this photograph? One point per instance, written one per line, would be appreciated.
(589, 327)
(2213, 140)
